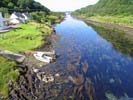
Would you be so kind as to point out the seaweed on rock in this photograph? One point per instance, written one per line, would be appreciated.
(82, 85)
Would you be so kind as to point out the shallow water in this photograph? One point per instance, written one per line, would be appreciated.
(85, 56)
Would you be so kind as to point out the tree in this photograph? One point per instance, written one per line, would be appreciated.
(108, 7)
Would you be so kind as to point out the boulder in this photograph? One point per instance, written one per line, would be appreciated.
(12, 56)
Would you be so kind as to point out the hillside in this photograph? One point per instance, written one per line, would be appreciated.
(21, 5)
(37, 11)
(108, 7)
(109, 11)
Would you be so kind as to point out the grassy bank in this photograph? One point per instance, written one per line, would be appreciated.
(116, 19)
(7, 72)
(121, 19)
(28, 37)
(114, 23)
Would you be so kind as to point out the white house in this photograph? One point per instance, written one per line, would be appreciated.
(2, 22)
(17, 18)
(26, 16)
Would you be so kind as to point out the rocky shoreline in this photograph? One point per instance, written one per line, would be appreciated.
(50, 82)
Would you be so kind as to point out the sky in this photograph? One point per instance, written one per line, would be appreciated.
(66, 5)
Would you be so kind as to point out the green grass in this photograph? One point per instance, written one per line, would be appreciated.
(29, 37)
(121, 19)
(7, 72)
(117, 19)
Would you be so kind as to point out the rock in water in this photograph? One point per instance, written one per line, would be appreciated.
(57, 75)
(48, 78)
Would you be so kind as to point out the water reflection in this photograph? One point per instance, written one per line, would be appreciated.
(119, 39)
(94, 69)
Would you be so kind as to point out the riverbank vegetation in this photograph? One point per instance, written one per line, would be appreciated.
(7, 72)
(109, 11)
(122, 20)
(48, 19)
(117, 19)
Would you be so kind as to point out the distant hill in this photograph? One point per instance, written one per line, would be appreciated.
(21, 5)
(108, 7)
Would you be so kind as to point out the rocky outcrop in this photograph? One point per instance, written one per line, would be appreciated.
(28, 86)
(12, 56)
(43, 84)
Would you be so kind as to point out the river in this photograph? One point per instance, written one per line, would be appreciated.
(95, 69)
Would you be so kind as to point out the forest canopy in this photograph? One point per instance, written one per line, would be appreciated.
(21, 5)
(108, 7)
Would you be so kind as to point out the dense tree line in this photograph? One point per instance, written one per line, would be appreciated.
(108, 7)
(21, 5)
(37, 11)
(50, 18)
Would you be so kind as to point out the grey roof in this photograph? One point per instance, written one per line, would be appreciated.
(20, 20)
(27, 14)
(19, 14)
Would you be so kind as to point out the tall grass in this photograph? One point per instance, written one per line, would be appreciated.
(7, 73)
(121, 19)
